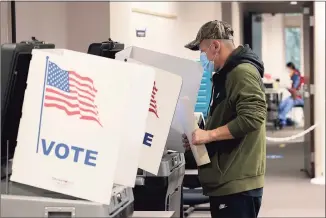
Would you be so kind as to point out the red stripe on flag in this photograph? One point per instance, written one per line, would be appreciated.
(81, 90)
(90, 118)
(65, 96)
(74, 107)
(50, 90)
(82, 85)
(70, 113)
(83, 78)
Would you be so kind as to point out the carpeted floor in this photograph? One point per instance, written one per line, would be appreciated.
(288, 191)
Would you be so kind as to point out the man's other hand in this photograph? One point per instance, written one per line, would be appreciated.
(200, 137)
(185, 141)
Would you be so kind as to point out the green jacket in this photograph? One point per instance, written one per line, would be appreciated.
(238, 101)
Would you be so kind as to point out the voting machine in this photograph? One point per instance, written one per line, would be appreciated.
(106, 49)
(19, 200)
(15, 60)
(26, 201)
(162, 192)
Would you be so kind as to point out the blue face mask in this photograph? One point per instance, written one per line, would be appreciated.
(207, 65)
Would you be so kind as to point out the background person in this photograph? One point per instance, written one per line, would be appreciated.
(295, 99)
(235, 130)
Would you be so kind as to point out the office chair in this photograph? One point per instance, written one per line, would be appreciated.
(293, 112)
(301, 91)
(192, 191)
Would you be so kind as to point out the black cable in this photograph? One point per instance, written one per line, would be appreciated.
(13, 21)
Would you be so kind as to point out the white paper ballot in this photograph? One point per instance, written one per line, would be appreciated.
(189, 124)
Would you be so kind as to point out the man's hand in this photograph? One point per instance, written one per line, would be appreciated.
(185, 141)
(200, 137)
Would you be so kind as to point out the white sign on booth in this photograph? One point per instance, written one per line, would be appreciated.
(132, 144)
(190, 71)
(175, 77)
(162, 107)
(73, 122)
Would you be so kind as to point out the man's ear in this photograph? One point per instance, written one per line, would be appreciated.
(217, 45)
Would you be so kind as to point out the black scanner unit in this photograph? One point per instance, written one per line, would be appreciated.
(15, 60)
(106, 49)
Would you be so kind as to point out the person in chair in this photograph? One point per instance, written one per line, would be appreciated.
(295, 99)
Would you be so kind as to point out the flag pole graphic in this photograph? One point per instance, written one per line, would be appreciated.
(41, 112)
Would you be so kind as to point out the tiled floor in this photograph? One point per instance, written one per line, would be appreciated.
(288, 192)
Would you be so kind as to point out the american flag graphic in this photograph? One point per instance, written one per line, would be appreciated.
(70, 92)
(153, 105)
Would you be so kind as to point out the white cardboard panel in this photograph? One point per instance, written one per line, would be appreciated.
(131, 145)
(190, 71)
(162, 108)
(42, 127)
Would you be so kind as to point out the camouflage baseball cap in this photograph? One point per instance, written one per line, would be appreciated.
(211, 30)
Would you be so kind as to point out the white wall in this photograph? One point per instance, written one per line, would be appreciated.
(273, 46)
(293, 20)
(44, 20)
(273, 42)
(72, 25)
(237, 23)
(5, 20)
(162, 34)
(88, 22)
(319, 106)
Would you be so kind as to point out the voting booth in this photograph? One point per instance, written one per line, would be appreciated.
(160, 174)
(80, 92)
(106, 49)
(70, 133)
(92, 127)
(191, 73)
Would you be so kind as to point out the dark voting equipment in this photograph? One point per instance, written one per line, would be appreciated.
(15, 60)
(106, 49)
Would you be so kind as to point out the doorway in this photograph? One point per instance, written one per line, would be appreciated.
(297, 41)
(289, 163)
